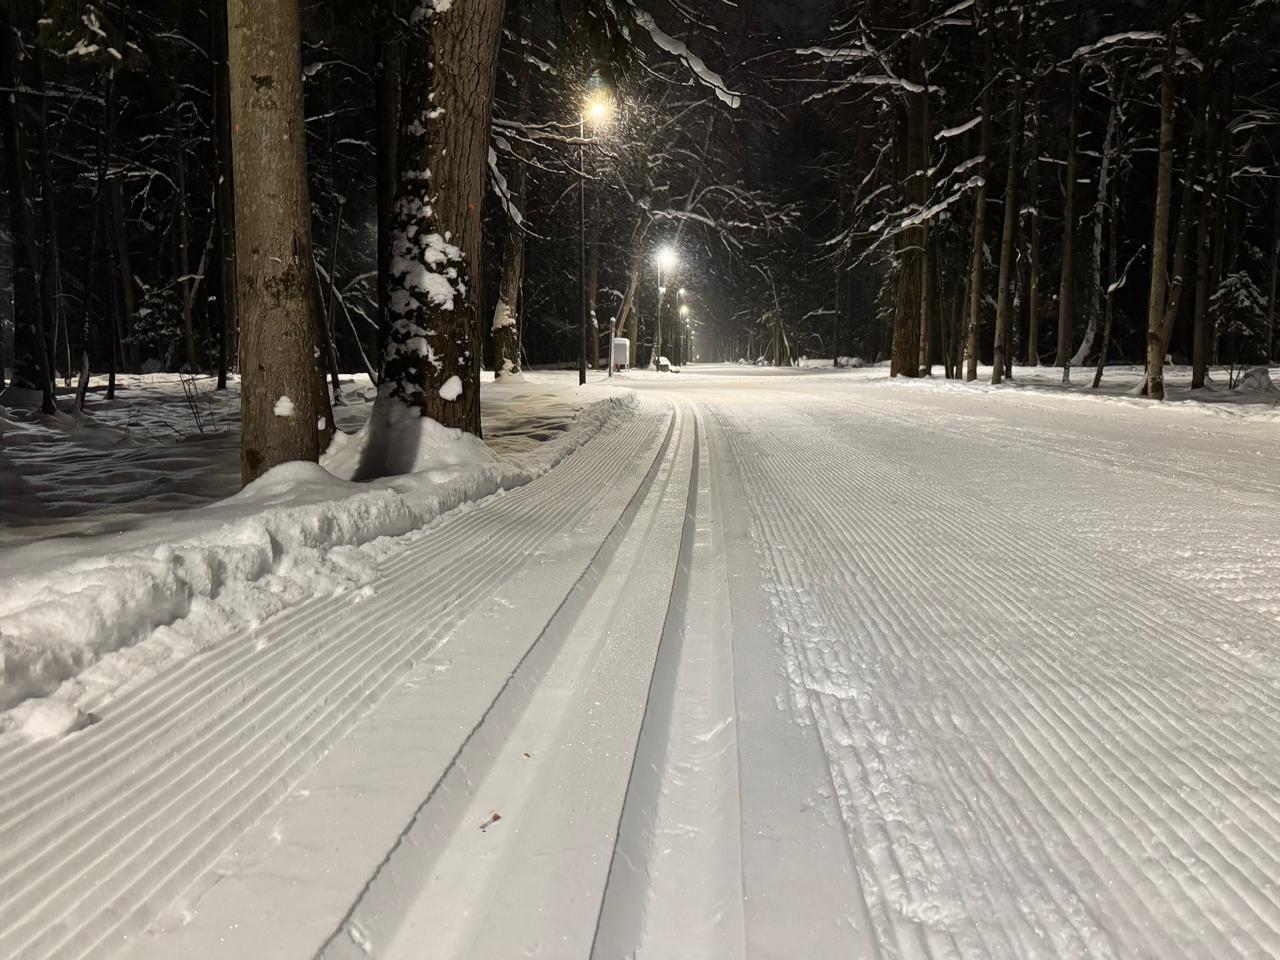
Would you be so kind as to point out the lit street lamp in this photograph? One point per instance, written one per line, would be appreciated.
(683, 312)
(667, 261)
(597, 108)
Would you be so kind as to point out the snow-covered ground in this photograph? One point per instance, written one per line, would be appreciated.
(777, 663)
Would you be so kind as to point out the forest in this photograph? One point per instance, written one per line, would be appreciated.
(441, 189)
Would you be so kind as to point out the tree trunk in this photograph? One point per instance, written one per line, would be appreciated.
(434, 349)
(977, 248)
(223, 195)
(905, 359)
(1273, 274)
(1113, 282)
(387, 107)
(31, 371)
(1105, 172)
(184, 241)
(1200, 335)
(55, 317)
(130, 352)
(1160, 231)
(506, 329)
(1067, 282)
(283, 406)
(1008, 234)
(1033, 228)
(924, 364)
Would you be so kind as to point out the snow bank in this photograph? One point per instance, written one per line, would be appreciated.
(83, 629)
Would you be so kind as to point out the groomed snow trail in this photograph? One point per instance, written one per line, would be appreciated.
(785, 665)
(101, 833)
(1043, 743)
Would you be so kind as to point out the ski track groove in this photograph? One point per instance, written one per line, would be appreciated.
(330, 685)
(1236, 916)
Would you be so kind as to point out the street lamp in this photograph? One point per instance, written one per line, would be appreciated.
(666, 260)
(598, 108)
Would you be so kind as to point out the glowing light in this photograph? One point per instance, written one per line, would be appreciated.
(598, 108)
(667, 258)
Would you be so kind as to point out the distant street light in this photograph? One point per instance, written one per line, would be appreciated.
(667, 261)
(598, 108)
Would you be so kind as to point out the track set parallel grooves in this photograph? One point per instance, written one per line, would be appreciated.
(100, 832)
(1008, 778)
(840, 670)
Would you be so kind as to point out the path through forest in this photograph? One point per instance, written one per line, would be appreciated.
(782, 665)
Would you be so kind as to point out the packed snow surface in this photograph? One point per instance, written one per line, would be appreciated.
(779, 662)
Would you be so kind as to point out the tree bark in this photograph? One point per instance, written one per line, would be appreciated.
(1033, 228)
(223, 195)
(905, 358)
(387, 106)
(1008, 234)
(1066, 284)
(505, 330)
(1160, 231)
(1108, 310)
(1273, 274)
(434, 346)
(283, 405)
(184, 241)
(977, 249)
(1105, 173)
(31, 371)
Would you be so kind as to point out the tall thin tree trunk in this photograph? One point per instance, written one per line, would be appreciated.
(1160, 230)
(1105, 171)
(1033, 228)
(283, 407)
(978, 241)
(1113, 282)
(387, 107)
(223, 195)
(1066, 285)
(1008, 235)
(924, 364)
(905, 359)
(55, 317)
(1273, 274)
(184, 241)
(31, 356)
(505, 330)
(1200, 335)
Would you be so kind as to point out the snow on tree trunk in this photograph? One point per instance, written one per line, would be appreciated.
(282, 396)
(1160, 233)
(1097, 293)
(506, 329)
(433, 346)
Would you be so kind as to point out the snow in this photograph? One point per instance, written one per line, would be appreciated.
(780, 662)
(692, 61)
(283, 407)
(451, 389)
(83, 620)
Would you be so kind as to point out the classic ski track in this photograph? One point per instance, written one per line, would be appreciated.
(147, 774)
(580, 646)
(1055, 776)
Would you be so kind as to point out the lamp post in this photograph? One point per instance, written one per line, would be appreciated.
(683, 314)
(666, 263)
(597, 109)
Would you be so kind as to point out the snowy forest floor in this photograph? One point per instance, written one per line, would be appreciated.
(743, 662)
